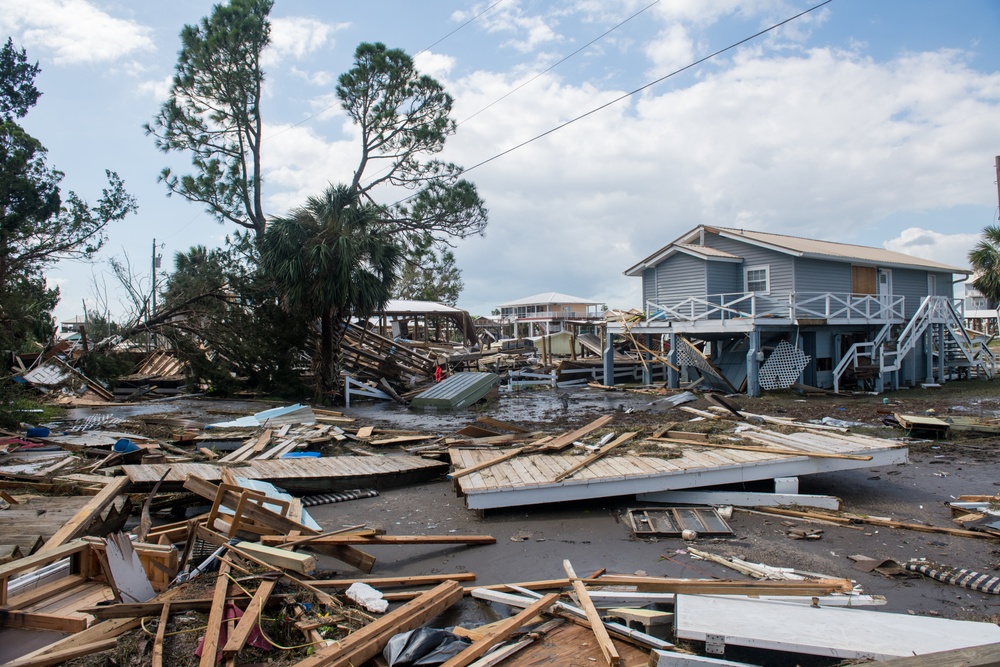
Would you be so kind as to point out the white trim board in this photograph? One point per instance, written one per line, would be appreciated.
(824, 631)
(742, 499)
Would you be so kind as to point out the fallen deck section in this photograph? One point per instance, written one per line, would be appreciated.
(458, 391)
(529, 479)
(332, 473)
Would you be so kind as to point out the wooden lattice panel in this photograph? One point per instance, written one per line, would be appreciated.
(783, 367)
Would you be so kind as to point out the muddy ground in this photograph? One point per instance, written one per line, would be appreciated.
(533, 541)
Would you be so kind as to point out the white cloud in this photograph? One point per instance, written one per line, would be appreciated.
(297, 36)
(157, 89)
(319, 78)
(436, 65)
(671, 50)
(75, 30)
(950, 249)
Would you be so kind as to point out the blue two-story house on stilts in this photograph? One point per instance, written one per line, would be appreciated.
(747, 310)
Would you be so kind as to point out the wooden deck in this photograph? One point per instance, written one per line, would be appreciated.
(301, 475)
(527, 479)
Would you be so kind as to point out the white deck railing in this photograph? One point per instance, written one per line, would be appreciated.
(790, 306)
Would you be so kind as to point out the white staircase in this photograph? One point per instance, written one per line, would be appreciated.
(952, 340)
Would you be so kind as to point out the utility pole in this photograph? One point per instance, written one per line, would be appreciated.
(998, 179)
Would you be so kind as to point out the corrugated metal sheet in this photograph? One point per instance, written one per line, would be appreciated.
(458, 391)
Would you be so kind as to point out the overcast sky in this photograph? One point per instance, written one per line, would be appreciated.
(864, 122)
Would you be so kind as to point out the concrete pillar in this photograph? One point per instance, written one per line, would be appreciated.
(753, 365)
(609, 360)
(928, 356)
(673, 378)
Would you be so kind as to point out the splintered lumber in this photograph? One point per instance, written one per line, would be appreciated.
(975, 656)
(875, 521)
(594, 616)
(395, 582)
(286, 560)
(241, 633)
(387, 539)
(155, 608)
(724, 587)
(563, 441)
(79, 523)
(486, 464)
(161, 632)
(603, 451)
(367, 642)
(782, 451)
(500, 632)
(210, 646)
(66, 654)
(279, 523)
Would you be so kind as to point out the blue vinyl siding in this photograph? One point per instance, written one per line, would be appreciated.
(680, 276)
(912, 285)
(813, 276)
(648, 286)
(780, 264)
(724, 277)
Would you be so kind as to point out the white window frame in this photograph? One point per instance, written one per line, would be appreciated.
(766, 268)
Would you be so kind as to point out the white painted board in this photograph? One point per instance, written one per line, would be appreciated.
(825, 631)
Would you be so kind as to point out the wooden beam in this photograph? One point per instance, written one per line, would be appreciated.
(874, 521)
(154, 607)
(975, 656)
(387, 539)
(239, 636)
(500, 632)
(367, 642)
(395, 582)
(161, 632)
(725, 587)
(76, 526)
(210, 647)
(486, 464)
(594, 616)
(286, 560)
(65, 655)
(563, 441)
(31, 620)
(603, 451)
(765, 450)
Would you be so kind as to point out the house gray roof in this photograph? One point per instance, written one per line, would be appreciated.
(799, 247)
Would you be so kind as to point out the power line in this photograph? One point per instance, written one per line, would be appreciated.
(546, 71)
(642, 88)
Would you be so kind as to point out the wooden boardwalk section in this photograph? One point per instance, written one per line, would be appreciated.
(301, 475)
(528, 479)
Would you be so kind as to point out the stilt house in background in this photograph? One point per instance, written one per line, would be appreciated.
(549, 313)
(748, 310)
(980, 311)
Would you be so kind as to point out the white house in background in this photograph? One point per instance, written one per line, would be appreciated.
(551, 312)
(980, 313)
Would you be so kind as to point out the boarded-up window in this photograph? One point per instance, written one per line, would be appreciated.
(863, 280)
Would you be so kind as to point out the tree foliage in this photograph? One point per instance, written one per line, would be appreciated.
(403, 118)
(429, 273)
(214, 114)
(38, 225)
(985, 260)
(331, 260)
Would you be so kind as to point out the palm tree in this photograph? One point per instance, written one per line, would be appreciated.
(331, 260)
(985, 260)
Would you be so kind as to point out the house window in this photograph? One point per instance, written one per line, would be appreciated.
(979, 303)
(757, 278)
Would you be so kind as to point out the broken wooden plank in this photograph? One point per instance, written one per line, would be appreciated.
(161, 631)
(66, 654)
(210, 645)
(742, 499)
(563, 441)
(596, 623)
(500, 632)
(286, 560)
(780, 451)
(601, 453)
(367, 642)
(387, 539)
(237, 639)
(78, 525)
